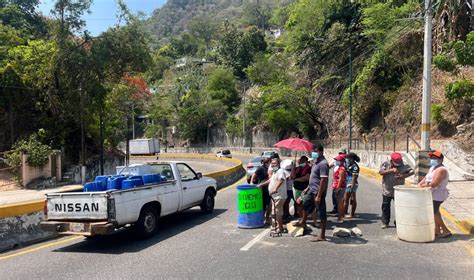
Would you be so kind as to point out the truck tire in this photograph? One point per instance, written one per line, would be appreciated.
(207, 205)
(147, 223)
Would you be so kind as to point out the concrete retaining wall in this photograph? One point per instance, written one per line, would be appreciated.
(19, 223)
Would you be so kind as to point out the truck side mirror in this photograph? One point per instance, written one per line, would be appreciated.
(199, 175)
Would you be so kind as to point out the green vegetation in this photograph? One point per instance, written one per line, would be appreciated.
(462, 89)
(37, 152)
(437, 112)
(198, 66)
(443, 62)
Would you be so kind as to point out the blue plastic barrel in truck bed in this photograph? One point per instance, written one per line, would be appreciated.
(131, 183)
(249, 207)
(115, 182)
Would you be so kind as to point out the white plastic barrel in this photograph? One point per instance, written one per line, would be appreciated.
(414, 214)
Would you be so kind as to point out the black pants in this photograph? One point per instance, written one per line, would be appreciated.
(334, 201)
(386, 203)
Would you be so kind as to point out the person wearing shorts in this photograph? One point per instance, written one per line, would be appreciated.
(437, 179)
(314, 196)
(352, 183)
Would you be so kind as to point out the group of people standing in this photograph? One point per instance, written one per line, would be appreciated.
(306, 184)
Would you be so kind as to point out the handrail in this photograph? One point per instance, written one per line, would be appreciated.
(414, 141)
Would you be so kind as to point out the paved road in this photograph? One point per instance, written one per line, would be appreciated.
(192, 245)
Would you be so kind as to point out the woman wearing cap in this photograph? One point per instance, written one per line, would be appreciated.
(339, 185)
(352, 183)
(437, 179)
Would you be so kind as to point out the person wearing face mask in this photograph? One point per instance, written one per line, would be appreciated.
(331, 165)
(277, 190)
(352, 183)
(393, 172)
(339, 186)
(258, 177)
(437, 179)
(300, 177)
(314, 196)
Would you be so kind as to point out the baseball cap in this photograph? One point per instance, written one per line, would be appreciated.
(396, 158)
(436, 153)
(342, 151)
(340, 157)
(286, 165)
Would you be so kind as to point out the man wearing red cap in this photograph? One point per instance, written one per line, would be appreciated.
(393, 173)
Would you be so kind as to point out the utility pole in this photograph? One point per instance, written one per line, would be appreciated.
(243, 120)
(422, 164)
(83, 152)
(101, 136)
(133, 121)
(426, 103)
(350, 100)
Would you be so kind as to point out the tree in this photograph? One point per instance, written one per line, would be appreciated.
(221, 86)
(205, 29)
(237, 49)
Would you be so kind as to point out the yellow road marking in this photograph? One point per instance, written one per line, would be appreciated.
(40, 247)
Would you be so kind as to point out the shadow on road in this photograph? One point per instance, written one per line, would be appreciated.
(126, 241)
(350, 240)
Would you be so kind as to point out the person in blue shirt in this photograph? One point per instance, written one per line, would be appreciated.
(314, 196)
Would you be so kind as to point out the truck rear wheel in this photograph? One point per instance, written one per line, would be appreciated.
(207, 205)
(147, 223)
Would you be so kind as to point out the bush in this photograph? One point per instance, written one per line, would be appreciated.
(462, 89)
(38, 152)
(437, 112)
(443, 62)
(465, 50)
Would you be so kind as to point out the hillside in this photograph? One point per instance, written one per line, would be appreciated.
(299, 83)
(173, 18)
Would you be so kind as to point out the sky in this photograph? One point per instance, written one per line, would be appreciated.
(103, 12)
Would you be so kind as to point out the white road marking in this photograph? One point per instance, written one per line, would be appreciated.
(255, 240)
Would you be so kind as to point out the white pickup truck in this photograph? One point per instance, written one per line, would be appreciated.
(101, 213)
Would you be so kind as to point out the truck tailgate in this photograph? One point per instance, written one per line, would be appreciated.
(77, 206)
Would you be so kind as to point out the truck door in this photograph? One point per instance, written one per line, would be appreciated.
(192, 188)
(169, 192)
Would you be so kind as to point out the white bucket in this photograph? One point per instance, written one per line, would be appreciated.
(414, 214)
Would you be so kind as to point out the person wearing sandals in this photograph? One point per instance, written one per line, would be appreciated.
(393, 172)
(277, 190)
(314, 196)
(352, 183)
(339, 185)
(437, 179)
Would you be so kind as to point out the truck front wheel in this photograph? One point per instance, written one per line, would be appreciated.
(147, 223)
(207, 205)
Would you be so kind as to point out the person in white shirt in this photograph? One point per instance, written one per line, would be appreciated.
(277, 189)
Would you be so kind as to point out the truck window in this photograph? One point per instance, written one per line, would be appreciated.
(163, 170)
(185, 172)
